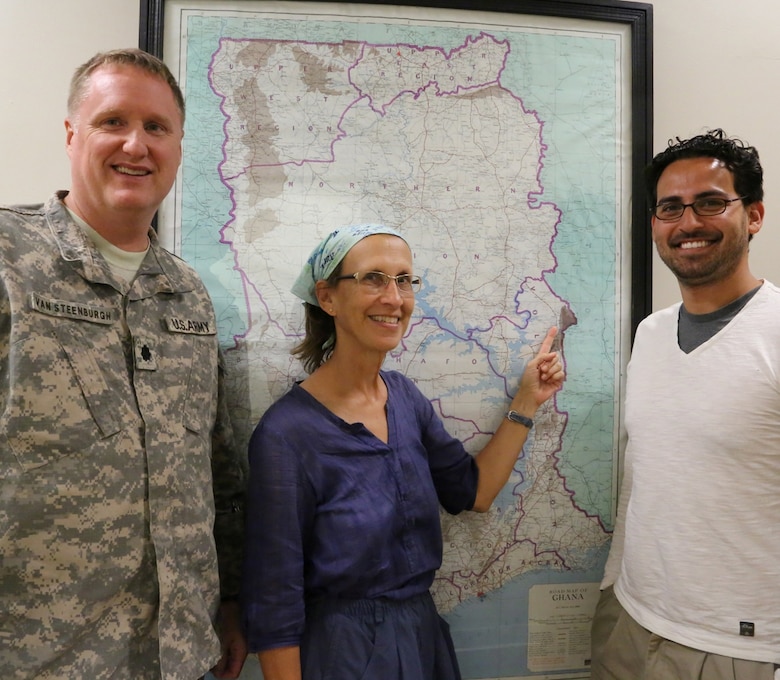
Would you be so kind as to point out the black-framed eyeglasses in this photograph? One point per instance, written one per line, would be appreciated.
(376, 282)
(704, 207)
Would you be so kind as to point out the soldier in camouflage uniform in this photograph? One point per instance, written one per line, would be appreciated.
(119, 481)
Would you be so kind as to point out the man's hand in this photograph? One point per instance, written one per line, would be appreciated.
(234, 649)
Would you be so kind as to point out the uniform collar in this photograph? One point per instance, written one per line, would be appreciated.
(160, 271)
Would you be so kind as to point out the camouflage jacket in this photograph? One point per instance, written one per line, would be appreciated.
(116, 461)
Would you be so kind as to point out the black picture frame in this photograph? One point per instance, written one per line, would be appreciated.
(637, 16)
(634, 139)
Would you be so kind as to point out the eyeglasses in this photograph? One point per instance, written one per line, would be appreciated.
(704, 207)
(376, 282)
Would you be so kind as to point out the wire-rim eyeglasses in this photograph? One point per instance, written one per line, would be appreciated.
(375, 281)
(708, 206)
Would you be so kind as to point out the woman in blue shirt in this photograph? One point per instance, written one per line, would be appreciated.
(348, 470)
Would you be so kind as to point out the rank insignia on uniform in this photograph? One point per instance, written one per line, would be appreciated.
(144, 355)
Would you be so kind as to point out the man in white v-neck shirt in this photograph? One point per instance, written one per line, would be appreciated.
(692, 585)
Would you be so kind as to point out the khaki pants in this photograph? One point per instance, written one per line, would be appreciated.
(622, 650)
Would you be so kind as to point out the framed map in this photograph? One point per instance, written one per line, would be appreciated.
(507, 141)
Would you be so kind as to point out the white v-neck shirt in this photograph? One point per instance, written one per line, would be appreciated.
(696, 551)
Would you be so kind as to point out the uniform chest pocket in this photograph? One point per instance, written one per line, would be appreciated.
(59, 401)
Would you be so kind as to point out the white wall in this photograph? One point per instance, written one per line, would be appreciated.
(41, 43)
(717, 64)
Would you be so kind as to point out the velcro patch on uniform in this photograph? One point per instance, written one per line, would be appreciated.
(192, 326)
(72, 310)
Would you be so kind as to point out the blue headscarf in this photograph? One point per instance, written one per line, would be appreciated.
(329, 253)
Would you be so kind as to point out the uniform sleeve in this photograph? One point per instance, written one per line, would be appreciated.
(228, 469)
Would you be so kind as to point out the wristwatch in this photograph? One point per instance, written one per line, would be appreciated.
(516, 417)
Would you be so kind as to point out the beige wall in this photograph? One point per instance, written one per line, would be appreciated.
(41, 43)
(717, 64)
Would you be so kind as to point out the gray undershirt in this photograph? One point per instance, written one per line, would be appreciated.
(695, 329)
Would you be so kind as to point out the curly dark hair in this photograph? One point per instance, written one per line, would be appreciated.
(739, 158)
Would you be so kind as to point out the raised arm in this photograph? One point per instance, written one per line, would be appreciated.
(542, 378)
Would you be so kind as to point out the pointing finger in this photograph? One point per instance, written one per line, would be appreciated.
(548, 340)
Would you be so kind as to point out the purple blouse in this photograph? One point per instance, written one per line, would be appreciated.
(335, 512)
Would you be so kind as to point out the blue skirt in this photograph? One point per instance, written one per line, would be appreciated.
(377, 640)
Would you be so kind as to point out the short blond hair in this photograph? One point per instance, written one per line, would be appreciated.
(124, 57)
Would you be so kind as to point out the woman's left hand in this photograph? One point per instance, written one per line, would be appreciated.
(543, 375)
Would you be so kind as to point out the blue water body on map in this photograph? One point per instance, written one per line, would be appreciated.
(491, 633)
